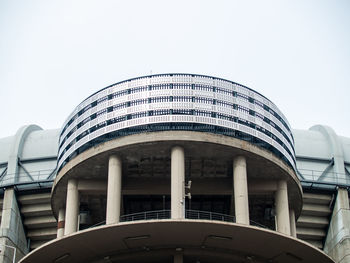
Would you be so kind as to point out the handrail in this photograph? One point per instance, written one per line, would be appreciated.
(189, 214)
(197, 214)
(147, 215)
(166, 214)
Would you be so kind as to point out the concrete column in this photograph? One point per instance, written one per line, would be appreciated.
(282, 208)
(178, 258)
(337, 244)
(72, 207)
(240, 188)
(114, 189)
(177, 182)
(60, 223)
(293, 228)
(11, 231)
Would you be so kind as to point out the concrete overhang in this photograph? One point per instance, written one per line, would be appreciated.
(142, 241)
(92, 163)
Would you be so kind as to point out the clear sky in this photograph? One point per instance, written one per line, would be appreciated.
(54, 54)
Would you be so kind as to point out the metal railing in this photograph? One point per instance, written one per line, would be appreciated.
(323, 176)
(147, 215)
(189, 214)
(327, 180)
(253, 223)
(206, 215)
(27, 179)
(166, 214)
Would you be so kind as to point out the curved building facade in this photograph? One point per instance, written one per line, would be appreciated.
(177, 102)
(175, 168)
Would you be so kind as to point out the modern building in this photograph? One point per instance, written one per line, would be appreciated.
(175, 168)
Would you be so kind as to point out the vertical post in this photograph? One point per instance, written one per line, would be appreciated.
(60, 223)
(240, 188)
(114, 189)
(178, 258)
(72, 207)
(282, 208)
(177, 182)
(293, 228)
(14, 254)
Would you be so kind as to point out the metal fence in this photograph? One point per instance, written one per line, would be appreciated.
(165, 214)
(206, 215)
(147, 215)
(189, 214)
(325, 176)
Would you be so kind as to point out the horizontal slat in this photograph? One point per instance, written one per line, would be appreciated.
(34, 199)
(42, 234)
(310, 234)
(36, 210)
(317, 198)
(316, 210)
(312, 221)
(40, 222)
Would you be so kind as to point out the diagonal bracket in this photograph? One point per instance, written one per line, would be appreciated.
(324, 173)
(25, 170)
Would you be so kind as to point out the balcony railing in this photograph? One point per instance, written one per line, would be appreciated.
(195, 214)
(189, 214)
(165, 214)
(147, 215)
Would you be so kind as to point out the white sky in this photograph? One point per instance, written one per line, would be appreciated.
(54, 54)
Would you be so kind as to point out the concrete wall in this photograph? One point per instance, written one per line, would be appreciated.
(337, 243)
(11, 231)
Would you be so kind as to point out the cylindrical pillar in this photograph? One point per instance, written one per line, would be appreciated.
(177, 182)
(72, 207)
(282, 208)
(178, 258)
(240, 188)
(60, 223)
(293, 228)
(114, 189)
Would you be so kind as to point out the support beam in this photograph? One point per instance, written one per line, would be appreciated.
(177, 182)
(114, 189)
(282, 208)
(72, 207)
(293, 228)
(25, 170)
(93, 187)
(60, 223)
(240, 188)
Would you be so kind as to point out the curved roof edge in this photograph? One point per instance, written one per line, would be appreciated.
(17, 146)
(37, 166)
(322, 156)
(334, 145)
